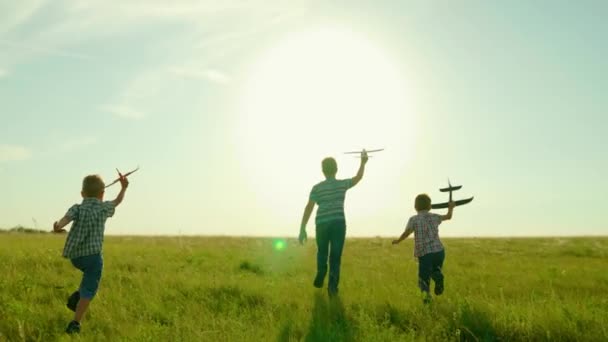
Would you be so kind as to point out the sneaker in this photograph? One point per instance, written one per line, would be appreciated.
(73, 328)
(73, 301)
(439, 288)
(318, 283)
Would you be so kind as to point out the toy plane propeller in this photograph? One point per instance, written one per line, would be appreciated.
(364, 150)
(125, 175)
(449, 189)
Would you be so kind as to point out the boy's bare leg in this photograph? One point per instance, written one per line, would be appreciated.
(81, 308)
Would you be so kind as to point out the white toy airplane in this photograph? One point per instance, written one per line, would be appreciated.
(118, 179)
(362, 151)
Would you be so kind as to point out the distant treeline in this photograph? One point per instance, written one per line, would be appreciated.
(21, 229)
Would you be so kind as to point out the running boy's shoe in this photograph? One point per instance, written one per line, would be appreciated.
(73, 328)
(73, 300)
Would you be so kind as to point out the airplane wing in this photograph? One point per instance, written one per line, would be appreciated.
(445, 205)
(114, 182)
(130, 172)
(370, 151)
(118, 179)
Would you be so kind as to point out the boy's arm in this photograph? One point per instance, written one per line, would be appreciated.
(448, 216)
(124, 184)
(403, 236)
(305, 217)
(361, 171)
(58, 225)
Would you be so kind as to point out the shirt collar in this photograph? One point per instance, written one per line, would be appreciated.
(91, 200)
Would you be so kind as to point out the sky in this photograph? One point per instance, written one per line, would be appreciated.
(229, 108)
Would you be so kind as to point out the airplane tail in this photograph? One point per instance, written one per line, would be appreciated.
(450, 188)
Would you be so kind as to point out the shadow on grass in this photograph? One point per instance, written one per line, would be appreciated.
(251, 267)
(474, 324)
(290, 332)
(390, 315)
(328, 323)
(223, 298)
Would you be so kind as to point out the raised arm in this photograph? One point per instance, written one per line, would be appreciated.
(448, 216)
(124, 184)
(361, 171)
(305, 217)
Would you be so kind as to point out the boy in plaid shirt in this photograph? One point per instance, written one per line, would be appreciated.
(427, 246)
(84, 243)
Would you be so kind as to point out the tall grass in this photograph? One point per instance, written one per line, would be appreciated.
(239, 289)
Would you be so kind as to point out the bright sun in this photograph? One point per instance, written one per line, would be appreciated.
(317, 94)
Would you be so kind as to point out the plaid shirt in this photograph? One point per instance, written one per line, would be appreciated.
(425, 227)
(86, 235)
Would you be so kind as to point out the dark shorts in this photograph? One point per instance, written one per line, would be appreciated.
(91, 267)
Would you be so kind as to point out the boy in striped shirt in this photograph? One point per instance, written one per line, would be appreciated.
(427, 246)
(330, 220)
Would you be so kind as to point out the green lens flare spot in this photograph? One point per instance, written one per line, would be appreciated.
(279, 245)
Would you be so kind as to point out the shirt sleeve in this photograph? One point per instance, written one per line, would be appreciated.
(313, 195)
(72, 213)
(409, 228)
(348, 183)
(110, 208)
(437, 219)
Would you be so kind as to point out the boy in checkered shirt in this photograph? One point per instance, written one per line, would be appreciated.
(84, 243)
(427, 246)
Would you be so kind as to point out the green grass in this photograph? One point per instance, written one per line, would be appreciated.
(240, 289)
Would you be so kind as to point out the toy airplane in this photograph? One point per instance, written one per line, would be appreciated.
(449, 189)
(125, 175)
(364, 150)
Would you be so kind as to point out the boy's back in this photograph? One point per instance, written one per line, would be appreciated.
(427, 246)
(86, 236)
(329, 195)
(425, 227)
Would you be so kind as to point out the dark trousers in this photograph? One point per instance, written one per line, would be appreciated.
(429, 266)
(330, 241)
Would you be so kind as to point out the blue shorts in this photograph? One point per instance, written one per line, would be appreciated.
(91, 267)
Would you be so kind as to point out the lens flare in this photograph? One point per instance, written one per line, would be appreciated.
(279, 245)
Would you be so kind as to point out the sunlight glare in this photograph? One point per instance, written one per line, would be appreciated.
(317, 94)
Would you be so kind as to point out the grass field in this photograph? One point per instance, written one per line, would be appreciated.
(243, 289)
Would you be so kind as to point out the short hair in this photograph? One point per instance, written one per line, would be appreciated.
(92, 186)
(329, 166)
(423, 202)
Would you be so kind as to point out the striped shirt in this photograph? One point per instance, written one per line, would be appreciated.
(329, 195)
(425, 227)
(89, 220)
